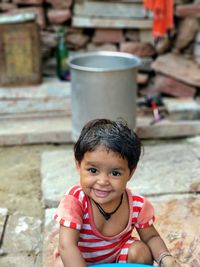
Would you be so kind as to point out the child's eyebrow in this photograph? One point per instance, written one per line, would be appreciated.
(91, 163)
(118, 168)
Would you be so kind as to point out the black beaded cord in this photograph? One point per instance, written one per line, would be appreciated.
(105, 214)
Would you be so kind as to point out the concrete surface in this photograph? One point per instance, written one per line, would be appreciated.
(42, 114)
(168, 174)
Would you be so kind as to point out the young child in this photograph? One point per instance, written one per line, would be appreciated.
(97, 217)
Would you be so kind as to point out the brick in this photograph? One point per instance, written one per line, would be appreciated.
(145, 36)
(142, 78)
(178, 67)
(60, 4)
(187, 31)
(192, 10)
(7, 6)
(29, 2)
(49, 39)
(170, 86)
(132, 35)
(137, 48)
(108, 36)
(101, 47)
(77, 39)
(58, 16)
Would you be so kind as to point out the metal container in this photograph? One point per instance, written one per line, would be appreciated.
(103, 85)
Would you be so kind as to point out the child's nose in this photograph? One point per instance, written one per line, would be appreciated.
(103, 179)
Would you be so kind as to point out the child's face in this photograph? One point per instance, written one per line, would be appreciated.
(103, 175)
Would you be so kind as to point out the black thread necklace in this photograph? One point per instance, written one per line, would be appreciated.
(105, 214)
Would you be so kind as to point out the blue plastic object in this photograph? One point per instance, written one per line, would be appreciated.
(120, 265)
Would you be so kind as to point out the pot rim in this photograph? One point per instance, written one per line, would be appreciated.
(135, 64)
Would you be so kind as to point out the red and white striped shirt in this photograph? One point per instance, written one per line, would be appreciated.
(75, 211)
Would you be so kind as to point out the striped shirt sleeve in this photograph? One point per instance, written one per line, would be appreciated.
(145, 213)
(70, 212)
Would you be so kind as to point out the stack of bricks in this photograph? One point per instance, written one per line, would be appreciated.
(115, 25)
(112, 25)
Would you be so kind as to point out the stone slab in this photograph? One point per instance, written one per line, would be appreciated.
(49, 88)
(18, 260)
(50, 240)
(3, 219)
(153, 175)
(52, 95)
(110, 9)
(178, 67)
(192, 10)
(170, 86)
(35, 130)
(90, 22)
(182, 109)
(177, 220)
(15, 106)
(58, 173)
(195, 144)
(56, 128)
(166, 128)
(166, 169)
(23, 234)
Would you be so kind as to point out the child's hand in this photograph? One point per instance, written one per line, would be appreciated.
(169, 261)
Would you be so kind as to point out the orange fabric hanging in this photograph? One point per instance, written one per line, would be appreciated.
(163, 15)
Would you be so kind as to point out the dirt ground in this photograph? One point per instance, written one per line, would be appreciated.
(20, 181)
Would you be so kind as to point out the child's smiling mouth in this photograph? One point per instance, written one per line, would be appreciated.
(100, 193)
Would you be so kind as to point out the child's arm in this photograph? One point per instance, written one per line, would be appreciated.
(68, 248)
(151, 237)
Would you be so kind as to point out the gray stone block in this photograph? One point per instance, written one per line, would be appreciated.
(58, 174)
(166, 169)
(23, 234)
(153, 176)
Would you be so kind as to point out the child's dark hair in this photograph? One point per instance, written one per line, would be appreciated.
(113, 135)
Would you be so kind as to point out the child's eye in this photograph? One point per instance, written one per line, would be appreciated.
(92, 170)
(116, 173)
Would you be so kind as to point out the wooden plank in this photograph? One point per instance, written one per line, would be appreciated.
(117, 23)
(110, 9)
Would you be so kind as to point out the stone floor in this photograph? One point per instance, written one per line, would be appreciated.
(168, 174)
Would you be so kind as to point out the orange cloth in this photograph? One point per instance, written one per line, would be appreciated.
(163, 15)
